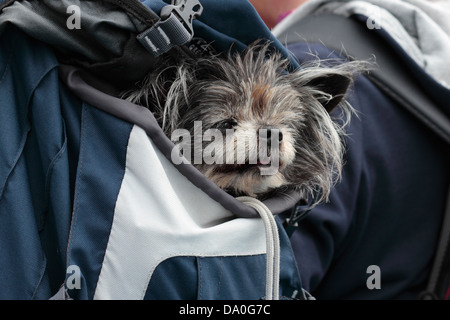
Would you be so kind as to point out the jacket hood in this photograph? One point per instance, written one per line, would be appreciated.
(420, 28)
(105, 41)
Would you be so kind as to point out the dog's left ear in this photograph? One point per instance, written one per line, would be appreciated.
(334, 84)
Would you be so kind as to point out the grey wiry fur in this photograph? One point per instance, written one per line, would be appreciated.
(250, 91)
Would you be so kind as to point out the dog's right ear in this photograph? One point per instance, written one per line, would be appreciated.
(328, 84)
(333, 84)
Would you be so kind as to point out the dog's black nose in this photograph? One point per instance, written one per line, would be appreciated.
(266, 133)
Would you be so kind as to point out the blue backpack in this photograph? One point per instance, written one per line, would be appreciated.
(91, 206)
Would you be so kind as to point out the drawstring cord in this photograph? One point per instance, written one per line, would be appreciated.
(272, 247)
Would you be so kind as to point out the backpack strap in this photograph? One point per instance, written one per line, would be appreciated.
(173, 29)
(439, 282)
(394, 78)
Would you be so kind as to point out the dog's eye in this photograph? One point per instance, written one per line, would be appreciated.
(227, 124)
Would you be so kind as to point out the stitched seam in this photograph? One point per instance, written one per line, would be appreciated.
(24, 137)
(200, 278)
(6, 68)
(220, 277)
(84, 127)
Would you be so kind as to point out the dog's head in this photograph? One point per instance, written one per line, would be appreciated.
(254, 128)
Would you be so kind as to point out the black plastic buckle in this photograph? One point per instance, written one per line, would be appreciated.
(185, 10)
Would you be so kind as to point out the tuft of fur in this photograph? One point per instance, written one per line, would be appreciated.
(250, 91)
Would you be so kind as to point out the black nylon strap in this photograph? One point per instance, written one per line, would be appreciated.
(439, 281)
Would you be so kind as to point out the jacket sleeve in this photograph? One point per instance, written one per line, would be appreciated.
(385, 211)
(320, 237)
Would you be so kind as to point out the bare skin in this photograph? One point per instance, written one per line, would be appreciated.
(272, 10)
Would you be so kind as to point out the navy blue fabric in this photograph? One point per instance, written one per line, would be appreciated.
(223, 278)
(163, 286)
(387, 209)
(101, 167)
(35, 189)
(207, 278)
(227, 277)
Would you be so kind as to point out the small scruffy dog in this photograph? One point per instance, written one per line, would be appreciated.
(244, 94)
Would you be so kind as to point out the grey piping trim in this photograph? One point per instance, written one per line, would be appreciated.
(272, 247)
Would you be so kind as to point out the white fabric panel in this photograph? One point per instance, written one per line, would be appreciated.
(160, 214)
